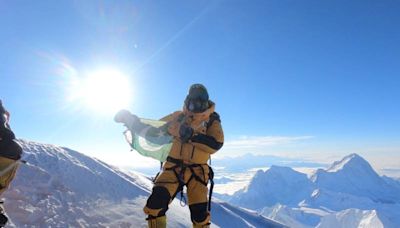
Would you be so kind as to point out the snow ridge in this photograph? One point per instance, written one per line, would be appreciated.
(351, 161)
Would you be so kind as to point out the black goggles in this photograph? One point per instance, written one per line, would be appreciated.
(197, 105)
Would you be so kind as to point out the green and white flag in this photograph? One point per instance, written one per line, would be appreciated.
(152, 140)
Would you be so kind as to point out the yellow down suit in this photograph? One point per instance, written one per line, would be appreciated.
(187, 166)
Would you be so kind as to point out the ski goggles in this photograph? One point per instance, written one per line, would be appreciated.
(196, 105)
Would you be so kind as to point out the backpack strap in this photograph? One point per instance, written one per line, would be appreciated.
(211, 178)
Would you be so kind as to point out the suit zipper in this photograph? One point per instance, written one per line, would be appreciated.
(192, 153)
(181, 150)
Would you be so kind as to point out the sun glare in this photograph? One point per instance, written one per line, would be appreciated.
(106, 91)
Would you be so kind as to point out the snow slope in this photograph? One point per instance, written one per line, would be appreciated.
(392, 182)
(352, 218)
(241, 217)
(60, 187)
(336, 201)
(294, 217)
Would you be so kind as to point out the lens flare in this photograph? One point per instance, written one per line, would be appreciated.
(105, 90)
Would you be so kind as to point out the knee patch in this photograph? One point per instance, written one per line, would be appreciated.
(157, 204)
(199, 213)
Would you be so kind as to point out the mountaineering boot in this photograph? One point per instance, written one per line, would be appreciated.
(157, 222)
(201, 226)
(3, 217)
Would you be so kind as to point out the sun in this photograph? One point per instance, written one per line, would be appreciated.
(104, 90)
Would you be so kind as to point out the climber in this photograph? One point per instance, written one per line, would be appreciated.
(196, 134)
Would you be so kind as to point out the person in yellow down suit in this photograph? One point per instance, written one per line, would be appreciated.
(197, 134)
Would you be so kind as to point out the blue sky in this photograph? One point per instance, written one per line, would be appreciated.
(312, 79)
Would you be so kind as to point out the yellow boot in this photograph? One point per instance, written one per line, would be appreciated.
(158, 222)
(201, 226)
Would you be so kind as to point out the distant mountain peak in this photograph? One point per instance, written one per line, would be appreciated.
(274, 170)
(286, 173)
(350, 162)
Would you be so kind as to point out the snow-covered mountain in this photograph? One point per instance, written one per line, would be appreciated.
(277, 184)
(355, 176)
(59, 187)
(347, 194)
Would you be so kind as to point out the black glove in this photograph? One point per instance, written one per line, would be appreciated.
(6, 134)
(3, 120)
(185, 132)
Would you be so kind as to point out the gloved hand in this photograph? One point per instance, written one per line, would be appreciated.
(3, 120)
(126, 117)
(6, 134)
(185, 132)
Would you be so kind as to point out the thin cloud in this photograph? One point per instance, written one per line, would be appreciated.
(264, 141)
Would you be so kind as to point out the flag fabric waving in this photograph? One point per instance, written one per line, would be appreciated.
(151, 140)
